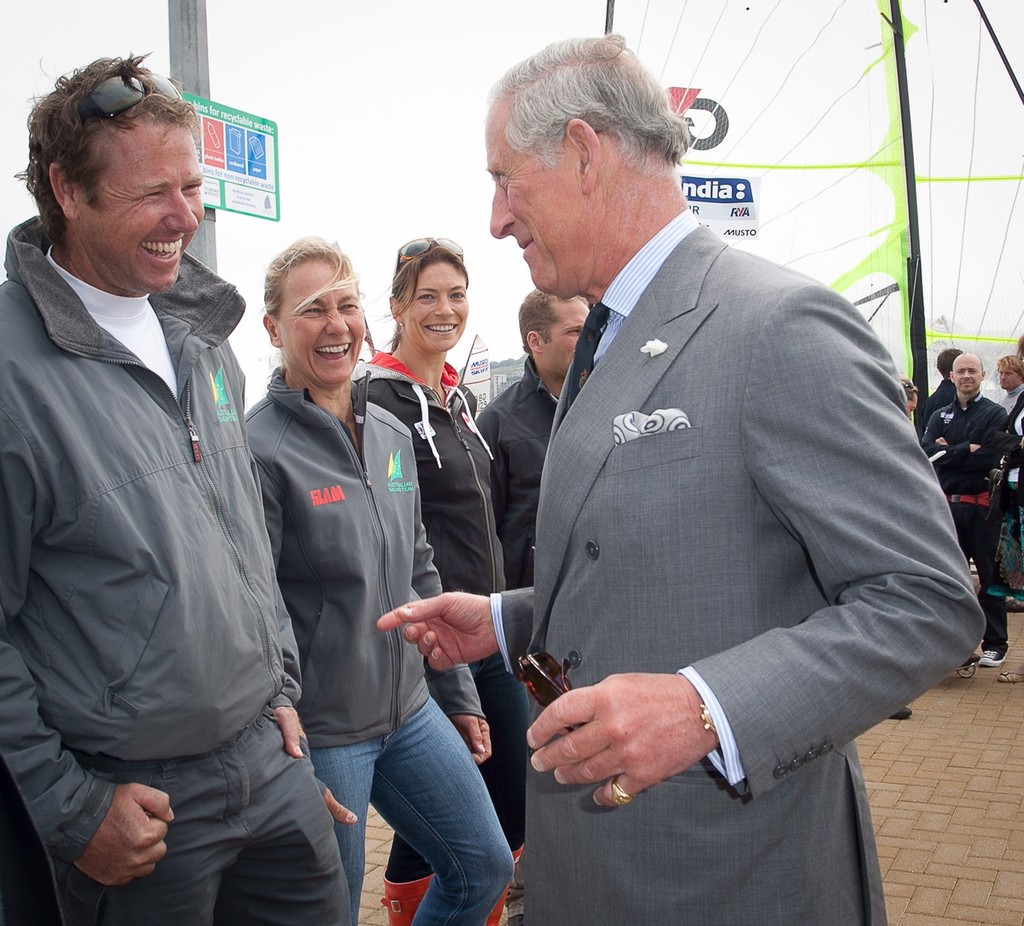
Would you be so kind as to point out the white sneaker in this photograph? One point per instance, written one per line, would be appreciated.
(992, 658)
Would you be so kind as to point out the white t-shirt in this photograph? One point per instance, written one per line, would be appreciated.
(130, 319)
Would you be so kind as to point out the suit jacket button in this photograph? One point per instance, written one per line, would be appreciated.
(593, 550)
(826, 748)
(781, 771)
(796, 763)
(574, 659)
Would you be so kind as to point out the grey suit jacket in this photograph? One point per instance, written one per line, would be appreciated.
(792, 545)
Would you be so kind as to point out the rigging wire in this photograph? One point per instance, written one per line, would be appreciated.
(967, 194)
(675, 35)
(818, 38)
(1020, 317)
(999, 259)
(867, 236)
(929, 268)
(785, 80)
(643, 27)
(999, 49)
(885, 294)
(754, 43)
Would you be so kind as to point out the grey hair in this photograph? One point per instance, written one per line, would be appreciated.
(601, 82)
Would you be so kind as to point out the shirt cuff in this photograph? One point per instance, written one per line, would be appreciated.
(727, 757)
(499, 630)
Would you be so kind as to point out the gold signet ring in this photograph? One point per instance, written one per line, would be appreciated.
(620, 795)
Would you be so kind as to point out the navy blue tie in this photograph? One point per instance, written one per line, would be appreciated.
(586, 347)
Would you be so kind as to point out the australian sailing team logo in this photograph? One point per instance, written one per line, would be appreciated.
(396, 481)
(225, 408)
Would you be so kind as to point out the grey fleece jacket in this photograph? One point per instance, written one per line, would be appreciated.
(139, 613)
(349, 545)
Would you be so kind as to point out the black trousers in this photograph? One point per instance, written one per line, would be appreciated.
(978, 536)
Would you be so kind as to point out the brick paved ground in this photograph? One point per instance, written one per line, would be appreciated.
(947, 798)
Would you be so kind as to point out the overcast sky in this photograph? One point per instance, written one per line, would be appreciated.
(380, 110)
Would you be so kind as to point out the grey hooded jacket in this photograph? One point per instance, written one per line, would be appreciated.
(349, 545)
(139, 613)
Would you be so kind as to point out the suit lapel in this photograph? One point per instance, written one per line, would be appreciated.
(669, 310)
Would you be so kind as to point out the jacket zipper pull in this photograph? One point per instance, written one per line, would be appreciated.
(194, 437)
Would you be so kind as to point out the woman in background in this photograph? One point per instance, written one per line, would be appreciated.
(343, 511)
(415, 382)
(1009, 556)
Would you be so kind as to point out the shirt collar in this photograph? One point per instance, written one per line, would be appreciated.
(631, 281)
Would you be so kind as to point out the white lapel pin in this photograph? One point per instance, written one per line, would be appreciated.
(653, 348)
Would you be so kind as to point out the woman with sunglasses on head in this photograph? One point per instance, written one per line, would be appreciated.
(343, 512)
(415, 382)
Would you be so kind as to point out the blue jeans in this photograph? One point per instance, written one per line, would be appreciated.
(503, 699)
(423, 782)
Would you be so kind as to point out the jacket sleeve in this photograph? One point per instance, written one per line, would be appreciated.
(897, 609)
(273, 514)
(986, 456)
(454, 690)
(981, 432)
(933, 431)
(66, 802)
(517, 621)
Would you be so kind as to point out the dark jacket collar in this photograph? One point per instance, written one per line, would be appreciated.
(207, 305)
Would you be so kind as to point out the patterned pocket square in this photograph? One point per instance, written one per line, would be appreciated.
(632, 425)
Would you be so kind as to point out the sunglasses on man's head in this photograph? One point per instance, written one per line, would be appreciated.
(419, 246)
(118, 94)
(544, 677)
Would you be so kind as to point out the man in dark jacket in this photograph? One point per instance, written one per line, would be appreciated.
(147, 665)
(945, 392)
(958, 440)
(517, 425)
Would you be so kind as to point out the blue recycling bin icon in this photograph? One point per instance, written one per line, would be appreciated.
(256, 154)
(235, 157)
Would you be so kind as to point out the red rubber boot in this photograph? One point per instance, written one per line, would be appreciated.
(403, 899)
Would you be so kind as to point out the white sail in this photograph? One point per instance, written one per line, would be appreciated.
(799, 99)
(476, 374)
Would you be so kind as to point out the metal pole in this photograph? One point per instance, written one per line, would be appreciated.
(609, 16)
(190, 64)
(915, 297)
(999, 49)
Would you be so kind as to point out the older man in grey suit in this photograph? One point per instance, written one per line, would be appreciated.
(741, 574)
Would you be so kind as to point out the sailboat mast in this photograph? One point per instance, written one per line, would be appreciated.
(915, 297)
(999, 50)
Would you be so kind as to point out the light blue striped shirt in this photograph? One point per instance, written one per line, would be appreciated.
(631, 281)
(621, 297)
